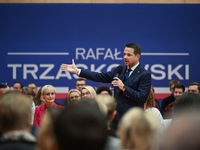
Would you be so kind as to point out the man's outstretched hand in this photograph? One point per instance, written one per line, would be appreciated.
(70, 68)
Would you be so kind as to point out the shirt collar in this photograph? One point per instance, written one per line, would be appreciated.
(133, 68)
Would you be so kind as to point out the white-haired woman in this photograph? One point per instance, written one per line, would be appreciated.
(48, 93)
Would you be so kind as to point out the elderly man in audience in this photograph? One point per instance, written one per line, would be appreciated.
(15, 122)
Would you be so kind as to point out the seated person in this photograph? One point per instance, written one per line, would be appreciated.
(74, 96)
(104, 89)
(149, 106)
(15, 122)
(48, 93)
(138, 130)
(30, 94)
(88, 92)
(81, 126)
(39, 98)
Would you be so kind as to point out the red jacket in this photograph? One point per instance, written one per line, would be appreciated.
(39, 113)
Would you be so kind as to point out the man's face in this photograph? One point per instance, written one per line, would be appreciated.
(193, 89)
(80, 84)
(130, 59)
(178, 92)
(33, 87)
(16, 87)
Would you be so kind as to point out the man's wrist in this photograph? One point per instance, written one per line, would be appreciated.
(124, 88)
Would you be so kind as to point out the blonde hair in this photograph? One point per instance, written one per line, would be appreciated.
(47, 87)
(107, 104)
(91, 90)
(138, 130)
(72, 90)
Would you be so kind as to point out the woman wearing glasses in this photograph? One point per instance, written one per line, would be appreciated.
(48, 93)
(88, 92)
(74, 96)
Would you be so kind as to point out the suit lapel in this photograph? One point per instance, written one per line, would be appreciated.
(134, 74)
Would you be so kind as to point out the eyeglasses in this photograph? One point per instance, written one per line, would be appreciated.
(48, 94)
(80, 84)
(85, 94)
(75, 97)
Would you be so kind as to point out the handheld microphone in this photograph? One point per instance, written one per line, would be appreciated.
(119, 71)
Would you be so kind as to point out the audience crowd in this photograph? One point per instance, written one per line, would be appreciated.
(32, 119)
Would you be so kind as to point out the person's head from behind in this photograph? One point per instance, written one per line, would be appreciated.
(104, 89)
(81, 127)
(15, 112)
(107, 105)
(194, 87)
(4, 87)
(48, 93)
(88, 92)
(186, 103)
(80, 82)
(150, 102)
(74, 96)
(138, 130)
(33, 86)
(178, 90)
(46, 136)
(132, 54)
(39, 98)
(29, 93)
(18, 86)
(183, 132)
(171, 85)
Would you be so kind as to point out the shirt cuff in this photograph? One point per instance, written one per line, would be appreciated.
(79, 71)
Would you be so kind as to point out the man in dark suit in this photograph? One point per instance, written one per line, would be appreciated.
(129, 92)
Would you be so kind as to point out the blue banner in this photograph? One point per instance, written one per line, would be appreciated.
(36, 39)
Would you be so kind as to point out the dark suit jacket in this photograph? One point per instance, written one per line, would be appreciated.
(166, 101)
(137, 87)
(39, 113)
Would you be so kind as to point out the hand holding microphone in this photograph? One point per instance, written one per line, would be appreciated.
(119, 71)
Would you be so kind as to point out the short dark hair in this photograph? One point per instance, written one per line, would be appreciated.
(179, 86)
(195, 83)
(135, 46)
(103, 88)
(4, 85)
(81, 79)
(20, 83)
(32, 83)
(81, 127)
